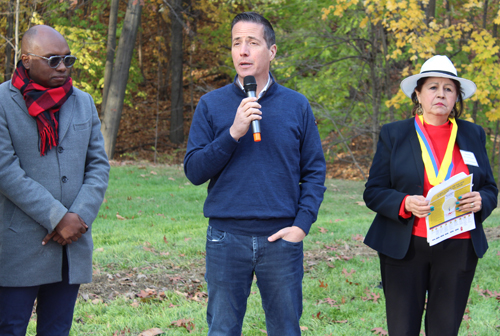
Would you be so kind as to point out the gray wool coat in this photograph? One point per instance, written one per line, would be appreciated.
(37, 191)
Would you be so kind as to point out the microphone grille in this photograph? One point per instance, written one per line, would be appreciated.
(249, 80)
(249, 83)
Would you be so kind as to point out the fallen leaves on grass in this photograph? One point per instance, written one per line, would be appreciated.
(184, 323)
(175, 278)
(347, 274)
(358, 237)
(319, 316)
(370, 296)
(352, 283)
(486, 293)
(330, 301)
(194, 294)
(144, 293)
(147, 247)
(122, 332)
(379, 331)
(152, 332)
(343, 257)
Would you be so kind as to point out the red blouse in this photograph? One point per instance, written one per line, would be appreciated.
(440, 136)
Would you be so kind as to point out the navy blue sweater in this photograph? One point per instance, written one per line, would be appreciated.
(257, 188)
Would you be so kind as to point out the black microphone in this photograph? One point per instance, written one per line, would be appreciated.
(250, 85)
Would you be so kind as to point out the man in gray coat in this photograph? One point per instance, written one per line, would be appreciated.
(53, 176)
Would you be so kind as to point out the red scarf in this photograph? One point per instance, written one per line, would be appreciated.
(42, 104)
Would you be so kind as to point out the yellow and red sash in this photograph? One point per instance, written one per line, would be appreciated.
(436, 172)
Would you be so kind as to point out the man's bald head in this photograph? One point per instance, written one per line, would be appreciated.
(37, 36)
(38, 45)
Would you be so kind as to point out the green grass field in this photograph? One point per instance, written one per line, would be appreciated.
(149, 248)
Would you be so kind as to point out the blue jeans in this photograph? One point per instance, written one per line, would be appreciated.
(55, 305)
(231, 262)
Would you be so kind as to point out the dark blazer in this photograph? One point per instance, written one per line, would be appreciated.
(398, 170)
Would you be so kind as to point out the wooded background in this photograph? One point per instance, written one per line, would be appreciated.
(147, 62)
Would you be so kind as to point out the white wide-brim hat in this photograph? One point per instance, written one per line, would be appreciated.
(438, 66)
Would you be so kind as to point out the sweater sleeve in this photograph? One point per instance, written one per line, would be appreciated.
(312, 174)
(402, 212)
(206, 155)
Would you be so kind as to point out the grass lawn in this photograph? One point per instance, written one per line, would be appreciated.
(149, 249)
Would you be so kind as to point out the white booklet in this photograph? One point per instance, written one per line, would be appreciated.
(445, 221)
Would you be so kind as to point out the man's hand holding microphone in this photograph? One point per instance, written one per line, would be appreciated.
(248, 112)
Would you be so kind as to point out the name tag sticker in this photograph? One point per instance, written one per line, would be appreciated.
(469, 158)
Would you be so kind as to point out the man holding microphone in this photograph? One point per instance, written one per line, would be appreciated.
(265, 188)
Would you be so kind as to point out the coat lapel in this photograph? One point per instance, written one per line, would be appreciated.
(18, 98)
(417, 152)
(468, 145)
(66, 116)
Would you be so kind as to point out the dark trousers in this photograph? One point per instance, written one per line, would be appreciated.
(445, 271)
(55, 305)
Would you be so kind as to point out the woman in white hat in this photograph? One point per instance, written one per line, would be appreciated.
(413, 156)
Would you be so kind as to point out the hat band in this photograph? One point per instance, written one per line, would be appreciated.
(443, 72)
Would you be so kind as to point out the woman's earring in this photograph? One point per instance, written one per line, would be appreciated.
(420, 111)
(452, 113)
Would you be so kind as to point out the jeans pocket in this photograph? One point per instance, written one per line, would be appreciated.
(215, 235)
(291, 244)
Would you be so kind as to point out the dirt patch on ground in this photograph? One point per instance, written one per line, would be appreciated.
(146, 282)
(492, 233)
(154, 280)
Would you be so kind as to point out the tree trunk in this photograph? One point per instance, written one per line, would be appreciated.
(430, 11)
(485, 13)
(16, 53)
(158, 91)
(139, 55)
(387, 72)
(376, 91)
(177, 100)
(494, 149)
(163, 55)
(8, 45)
(119, 77)
(110, 52)
(475, 108)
